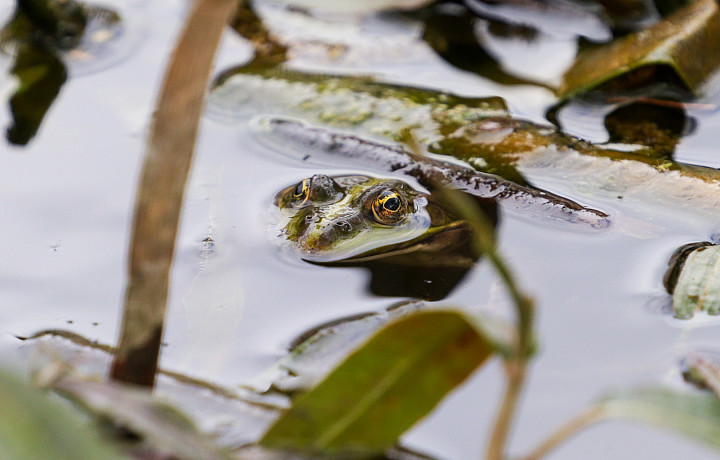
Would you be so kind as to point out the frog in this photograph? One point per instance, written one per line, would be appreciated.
(412, 243)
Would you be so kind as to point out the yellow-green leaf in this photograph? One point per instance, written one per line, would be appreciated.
(397, 377)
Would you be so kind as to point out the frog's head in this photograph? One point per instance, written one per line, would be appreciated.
(362, 218)
(413, 245)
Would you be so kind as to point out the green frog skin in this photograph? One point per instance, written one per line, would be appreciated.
(360, 218)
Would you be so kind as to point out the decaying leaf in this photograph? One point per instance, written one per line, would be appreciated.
(451, 33)
(702, 371)
(384, 387)
(686, 45)
(693, 280)
(546, 16)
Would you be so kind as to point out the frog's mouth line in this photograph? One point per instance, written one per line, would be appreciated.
(446, 246)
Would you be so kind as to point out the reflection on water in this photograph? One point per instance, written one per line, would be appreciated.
(74, 187)
(42, 41)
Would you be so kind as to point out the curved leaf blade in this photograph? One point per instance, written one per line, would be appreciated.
(397, 377)
(694, 415)
(688, 42)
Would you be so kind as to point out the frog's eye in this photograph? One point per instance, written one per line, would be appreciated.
(301, 192)
(388, 207)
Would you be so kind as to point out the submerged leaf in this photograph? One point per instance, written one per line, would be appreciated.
(696, 286)
(33, 426)
(451, 33)
(687, 44)
(647, 124)
(365, 6)
(384, 387)
(165, 428)
(562, 18)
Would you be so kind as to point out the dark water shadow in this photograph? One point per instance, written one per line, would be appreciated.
(36, 37)
(449, 30)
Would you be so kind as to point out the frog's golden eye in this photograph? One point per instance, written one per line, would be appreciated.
(301, 192)
(388, 207)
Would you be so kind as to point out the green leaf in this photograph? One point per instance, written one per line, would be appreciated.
(315, 353)
(694, 415)
(687, 42)
(397, 377)
(34, 426)
(698, 287)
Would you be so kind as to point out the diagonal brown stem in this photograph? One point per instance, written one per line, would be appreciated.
(160, 195)
(590, 416)
(516, 370)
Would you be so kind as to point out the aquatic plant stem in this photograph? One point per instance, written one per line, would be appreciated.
(515, 371)
(516, 363)
(160, 195)
(590, 416)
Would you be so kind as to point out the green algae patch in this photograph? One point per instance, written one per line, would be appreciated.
(685, 47)
(358, 103)
(326, 84)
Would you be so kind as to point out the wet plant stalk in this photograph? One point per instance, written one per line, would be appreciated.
(516, 364)
(589, 417)
(157, 209)
(515, 371)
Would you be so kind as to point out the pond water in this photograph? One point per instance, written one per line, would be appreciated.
(237, 302)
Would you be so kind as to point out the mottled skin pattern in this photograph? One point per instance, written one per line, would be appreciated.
(328, 216)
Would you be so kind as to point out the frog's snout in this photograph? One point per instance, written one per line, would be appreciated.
(336, 230)
(323, 188)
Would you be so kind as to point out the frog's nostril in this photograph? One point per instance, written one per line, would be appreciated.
(343, 225)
